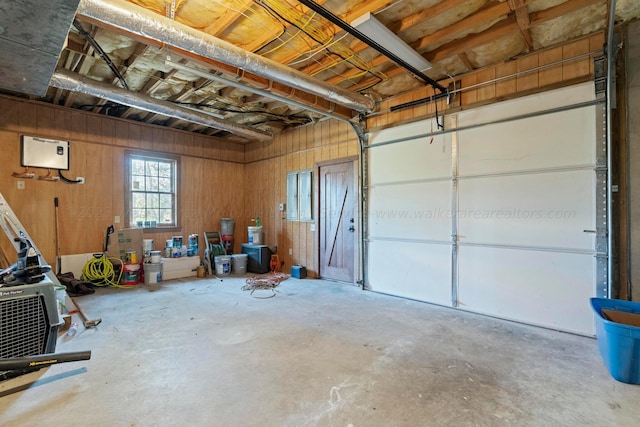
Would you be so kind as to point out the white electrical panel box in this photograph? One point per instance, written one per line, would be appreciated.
(44, 153)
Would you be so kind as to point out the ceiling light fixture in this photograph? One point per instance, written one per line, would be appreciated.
(368, 25)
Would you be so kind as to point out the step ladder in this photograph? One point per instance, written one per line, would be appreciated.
(13, 228)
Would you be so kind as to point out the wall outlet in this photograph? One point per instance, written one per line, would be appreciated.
(282, 205)
(290, 251)
(116, 219)
(20, 185)
(80, 179)
(312, 226)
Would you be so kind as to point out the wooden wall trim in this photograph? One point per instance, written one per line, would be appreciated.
(337, 161)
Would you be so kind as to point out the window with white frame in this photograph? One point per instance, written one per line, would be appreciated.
(152, 191)
(299, 195)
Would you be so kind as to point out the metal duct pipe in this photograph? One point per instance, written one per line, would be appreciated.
(143, 22)
(265, 93)
(63, 79)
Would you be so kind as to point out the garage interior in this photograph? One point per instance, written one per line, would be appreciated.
(460, 210)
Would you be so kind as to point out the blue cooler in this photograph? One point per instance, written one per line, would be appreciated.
(619, 343)
(298, 271)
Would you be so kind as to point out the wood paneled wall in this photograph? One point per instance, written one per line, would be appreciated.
(212, 178)
(266, 173)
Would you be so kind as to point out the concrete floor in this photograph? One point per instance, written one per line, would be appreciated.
(206, 353)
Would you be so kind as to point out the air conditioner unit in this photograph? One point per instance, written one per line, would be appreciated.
(29, 320)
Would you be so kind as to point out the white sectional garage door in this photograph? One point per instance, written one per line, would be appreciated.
(497, 217)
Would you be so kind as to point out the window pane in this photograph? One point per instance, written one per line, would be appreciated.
(165, 216)
(165, 169)
(153, 200)
(304, 196)
(138, 215)
(164, 185)
(152, 215)
(138, 200)
(137, 182)
(292, 196)
(152, 184)
(137, 167)
(152, 169)
(166, 201)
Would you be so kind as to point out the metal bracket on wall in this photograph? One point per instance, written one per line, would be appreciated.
(600, 171)
(453, 124)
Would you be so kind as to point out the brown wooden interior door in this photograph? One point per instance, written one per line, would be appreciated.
(337, 222)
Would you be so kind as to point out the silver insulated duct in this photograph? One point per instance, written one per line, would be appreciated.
(63, 79)
(142, 22)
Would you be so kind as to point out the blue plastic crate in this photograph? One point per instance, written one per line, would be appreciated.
(619, 344)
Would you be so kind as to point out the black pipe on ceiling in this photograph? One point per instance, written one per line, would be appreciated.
(418, 102)
(362, 37)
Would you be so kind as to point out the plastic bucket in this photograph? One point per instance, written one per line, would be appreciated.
(239, 263)
(156, 257)
(255, 235)
(147, 245)
(130, 274)
(152, 273)
(618, 342)
(226, 228)
(223, 265)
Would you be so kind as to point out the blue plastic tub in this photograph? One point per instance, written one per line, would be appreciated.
(619, 344)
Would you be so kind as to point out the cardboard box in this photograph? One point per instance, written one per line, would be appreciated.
(178, 268)
(123, 241)
(623, 317)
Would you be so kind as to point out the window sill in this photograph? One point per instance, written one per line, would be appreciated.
(149, 230)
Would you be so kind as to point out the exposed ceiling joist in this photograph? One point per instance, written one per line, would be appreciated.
(519, 8)
(560, 10)
(356, 12)
(228, 17)
(118, 14)
(494, 12)
(372, 43)
(429, 13)
(64, 79)
(472, 41)
(451, 32)
(137, 53)
(182, 96)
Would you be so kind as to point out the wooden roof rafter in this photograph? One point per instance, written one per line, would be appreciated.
(519, 8)
(482, 15)
(500, 29)
(185, 93)
(129, 63)
(360, 10)
(228, 18)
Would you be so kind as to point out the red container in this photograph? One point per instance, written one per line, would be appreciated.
(130, 274)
